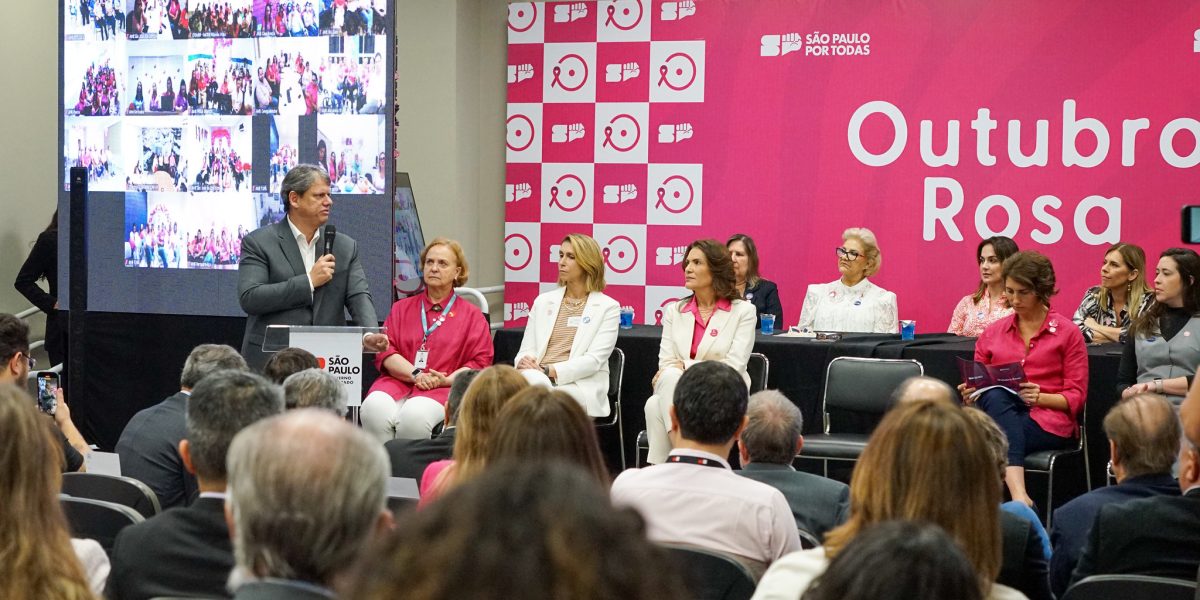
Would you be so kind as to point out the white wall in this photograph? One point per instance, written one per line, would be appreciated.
(451, 61)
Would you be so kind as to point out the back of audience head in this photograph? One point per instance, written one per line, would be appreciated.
(458, 389)
(922, 387)
(710, 403)
(491, 390)
(898, 559)
(306, 493)
(927, 461)
(209, 358)
(36, 557)
(1143, 436)
(314, 388)
(997, 441)
(772, 433)
(14, 347)
(221, 405)
(287, 362)
(559, 537)
(540, 423)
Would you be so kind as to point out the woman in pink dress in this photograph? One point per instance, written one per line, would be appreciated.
(987, 305)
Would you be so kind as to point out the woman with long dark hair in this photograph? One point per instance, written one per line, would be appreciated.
(1163, 349)
(987, 305)
(763, 294)
(42, 264)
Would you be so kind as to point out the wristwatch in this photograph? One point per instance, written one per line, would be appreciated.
(1158, 386)
(415, 373)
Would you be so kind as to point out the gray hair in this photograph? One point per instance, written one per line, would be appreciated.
(774, 424)
(207, 358)
(221, 405)
(306, 490)
(1145, 430)
(923, 387)
(314, 388)
(462, 381)
(298, 179)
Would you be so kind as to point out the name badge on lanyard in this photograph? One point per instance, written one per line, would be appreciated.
(573, 321)
(421, 361)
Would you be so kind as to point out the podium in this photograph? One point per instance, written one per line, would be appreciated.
(339, 351)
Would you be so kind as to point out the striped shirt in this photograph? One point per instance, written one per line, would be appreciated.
(558, 349)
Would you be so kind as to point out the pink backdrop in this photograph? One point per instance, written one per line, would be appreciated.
(648, 124)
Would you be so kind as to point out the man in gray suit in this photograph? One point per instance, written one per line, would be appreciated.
(285, 278)
(767, 447)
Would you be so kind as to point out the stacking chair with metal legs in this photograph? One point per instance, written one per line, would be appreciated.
(616, 377)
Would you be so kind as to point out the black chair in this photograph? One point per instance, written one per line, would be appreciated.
(757, 367)
(712, 576)
(125, 491)
(808, 541)
(1131, 587)
(98, 520)
(858, 391)
(1046, 461)
(616, 376)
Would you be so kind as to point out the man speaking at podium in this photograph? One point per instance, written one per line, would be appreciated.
(300, 271)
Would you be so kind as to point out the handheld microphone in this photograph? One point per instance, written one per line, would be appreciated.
(330, 232)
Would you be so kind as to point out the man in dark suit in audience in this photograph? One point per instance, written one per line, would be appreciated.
(767, 447)
(1159, 535)
(409, 458)
(186, 551)
(307, 494)
(149, 445)
(1143, 440)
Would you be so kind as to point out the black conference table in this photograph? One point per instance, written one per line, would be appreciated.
(797, 368)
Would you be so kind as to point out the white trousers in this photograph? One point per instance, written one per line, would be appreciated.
(658, 415)
(386, 418)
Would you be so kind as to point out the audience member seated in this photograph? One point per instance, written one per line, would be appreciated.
(898, 559)
(1158, 536)
(572, 330)
(287, 362)
(481, 404)
(306, 497)
(14, 356)
(1160, 360)
(186, 551)
(410, 458)
(1044, 415)
(763, 294)
(535, 531)
(539, 424)
(314, 388)
(1143, 441)
(1025, 546)
(694, 498)
(38, 558)
(1108, 309)
(431, 338)
(852, 303)
(149, 445)
(769, 444)
(923, 387)
(925, 462)
(987, 305)
(712, 324)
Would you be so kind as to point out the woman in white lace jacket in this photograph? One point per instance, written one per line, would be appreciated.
(852, 303)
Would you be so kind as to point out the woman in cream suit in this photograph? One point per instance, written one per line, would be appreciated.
(572, 330)
(711, 324)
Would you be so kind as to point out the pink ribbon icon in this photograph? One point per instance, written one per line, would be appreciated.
(569, 193)
(664, 70)
(608, 131)
(557, 81)
(612, 17)
(620, 254)
(662, 193)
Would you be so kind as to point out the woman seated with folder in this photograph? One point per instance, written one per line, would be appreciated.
(1040, 414)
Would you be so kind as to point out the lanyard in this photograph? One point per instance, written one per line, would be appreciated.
(694, 460)
(438, 323)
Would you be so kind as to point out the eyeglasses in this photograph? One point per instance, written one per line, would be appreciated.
(31, 360)
(844, 253)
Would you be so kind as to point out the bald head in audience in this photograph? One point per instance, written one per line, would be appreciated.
(1143, 436)
(1189, 413)
(772, 433)
(922, 387)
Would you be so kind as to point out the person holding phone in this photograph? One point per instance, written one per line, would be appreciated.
(1164, 346)
(1051, 350)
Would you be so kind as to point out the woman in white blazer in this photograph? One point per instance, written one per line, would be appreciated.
(572, 330)
(714, 323)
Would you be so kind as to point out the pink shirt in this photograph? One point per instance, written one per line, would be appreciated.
(1056, 360)
(463, 340)
(971, 319)
(427, 490)
(702, 324)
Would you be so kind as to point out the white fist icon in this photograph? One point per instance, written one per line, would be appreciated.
(517, 310)
(575, 131)
(674, 11)
(616, 73)
(519, 73)
(517, 192)
(567, 133)
(668, 255)
(670, 134)
(564, 13)
(555, 253)
(789, 43)
(619, 194)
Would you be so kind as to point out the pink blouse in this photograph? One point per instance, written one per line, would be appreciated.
(970, 319)
(463, 340)
(1056, 360)
(426, 489)
(702, 324)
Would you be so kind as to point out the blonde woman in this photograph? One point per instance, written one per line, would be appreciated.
(1107, 310)
(852, 303)
(572, 330)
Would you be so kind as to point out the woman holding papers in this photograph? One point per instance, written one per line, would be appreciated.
(572, 330)
(1164, 343)
(852, 303)
(1041, 413)
(431, 338)
(711, 324)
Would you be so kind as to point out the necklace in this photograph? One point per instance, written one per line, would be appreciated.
(574, 302)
